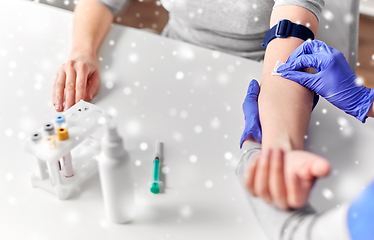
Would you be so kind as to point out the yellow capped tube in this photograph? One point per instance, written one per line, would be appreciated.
(62, 134)
(51, 142)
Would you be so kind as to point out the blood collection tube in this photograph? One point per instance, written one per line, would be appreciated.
(42, 166)
(36, 136)
(60, 121)
(53, 167)
(54, 172)
(68, 164)
(63, 135)
(49, 129)
(51, 142)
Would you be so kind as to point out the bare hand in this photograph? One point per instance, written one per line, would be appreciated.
(77, 79)
(284, 179)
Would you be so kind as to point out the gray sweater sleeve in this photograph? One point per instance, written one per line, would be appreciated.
(315, 6)
(114, 6)
(301, 224)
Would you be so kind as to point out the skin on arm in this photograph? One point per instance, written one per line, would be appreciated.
(285, 109)
(284, 106)
(79, 78)
(371, 111)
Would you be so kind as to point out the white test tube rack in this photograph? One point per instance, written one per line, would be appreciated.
(83, 119)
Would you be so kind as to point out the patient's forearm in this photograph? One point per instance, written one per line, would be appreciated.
(284, 105)
(92, 21)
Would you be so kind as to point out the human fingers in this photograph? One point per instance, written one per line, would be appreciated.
(81, 81)
(253, 90)
(320, 168)
(316, 46)
(277, 185)
(249, 177)
(296, 190)
(317, 61)
(295, 193)
(300, 50)
(93, 85)
(261, 185)
(58, 90)
(251, 113)
(250, 104)
(309, 47)
(301, 172)
(302, 78)
(314, 167)
(70, 85)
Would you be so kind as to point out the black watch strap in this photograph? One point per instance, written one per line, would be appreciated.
(284, 29)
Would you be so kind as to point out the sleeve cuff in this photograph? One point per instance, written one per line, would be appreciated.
(315, 6)
(114, 6)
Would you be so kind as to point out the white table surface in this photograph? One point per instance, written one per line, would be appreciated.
(35, 41)
(156, 88)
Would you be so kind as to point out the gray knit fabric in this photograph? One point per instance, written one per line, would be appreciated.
(113, 5)
(237, 27)
(301, 224)
(315, 6)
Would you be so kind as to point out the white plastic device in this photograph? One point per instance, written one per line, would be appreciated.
(82, 120)
(117, 184)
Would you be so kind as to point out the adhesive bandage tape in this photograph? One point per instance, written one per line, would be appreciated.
(277, 65)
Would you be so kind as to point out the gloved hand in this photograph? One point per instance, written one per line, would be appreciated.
(251, 115)
(360, 215)
(335, 80)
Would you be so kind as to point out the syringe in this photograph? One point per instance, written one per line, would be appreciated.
(156, 183)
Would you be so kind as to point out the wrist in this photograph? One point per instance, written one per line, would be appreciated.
(249, 139)
(82, 53)
(252, 135)
(283, 142)
(365, 108)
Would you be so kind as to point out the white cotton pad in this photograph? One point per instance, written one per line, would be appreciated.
(277, 65)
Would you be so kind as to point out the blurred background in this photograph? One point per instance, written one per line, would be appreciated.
(150, 15)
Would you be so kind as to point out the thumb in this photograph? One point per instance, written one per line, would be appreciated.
(311, 165)
(320, 168)
(304, 48)
(316, 61)
(253, 90)
(250, 104)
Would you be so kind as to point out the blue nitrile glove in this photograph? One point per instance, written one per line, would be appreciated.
(335, 80)
(251, 115)
(360, 216)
